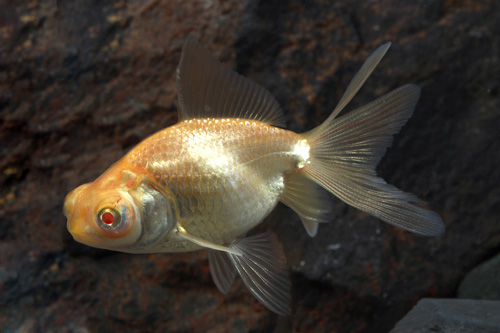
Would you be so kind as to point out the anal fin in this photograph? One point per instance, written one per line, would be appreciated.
(307, 199)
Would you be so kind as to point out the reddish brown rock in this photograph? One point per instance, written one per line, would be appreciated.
(83, 82)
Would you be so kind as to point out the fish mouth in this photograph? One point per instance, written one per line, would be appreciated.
(74, 221)
(76, 210)
(81, 237)
(71, 199)
(81, 231)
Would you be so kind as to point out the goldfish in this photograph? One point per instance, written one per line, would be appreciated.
(206, 181)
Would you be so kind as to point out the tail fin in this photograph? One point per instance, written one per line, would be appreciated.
(345, 152)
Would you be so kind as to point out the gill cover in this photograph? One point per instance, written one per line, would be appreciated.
(150, 214)
(157, 215)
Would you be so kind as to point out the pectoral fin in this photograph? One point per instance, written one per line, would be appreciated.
(201, 242)
(262, 267)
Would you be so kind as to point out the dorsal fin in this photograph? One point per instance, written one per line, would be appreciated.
(209, 89)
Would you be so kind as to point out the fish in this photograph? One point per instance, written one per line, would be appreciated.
(206, 181)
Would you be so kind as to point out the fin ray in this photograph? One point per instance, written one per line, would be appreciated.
(208, 88)
(263, 269)
(309, 200)
(222, 270)
(344, 154)
(359, 79)
(204, 243)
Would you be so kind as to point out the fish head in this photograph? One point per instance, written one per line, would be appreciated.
(123, 213)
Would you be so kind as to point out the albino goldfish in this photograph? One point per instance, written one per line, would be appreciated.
(206, 181)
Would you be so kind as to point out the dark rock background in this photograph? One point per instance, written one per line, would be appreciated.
(82, 82)
(451, 315)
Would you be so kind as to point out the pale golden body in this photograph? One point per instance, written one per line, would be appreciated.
(226, 175)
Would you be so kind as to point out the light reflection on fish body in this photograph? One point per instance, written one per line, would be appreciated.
(206, 181)
(220, 171)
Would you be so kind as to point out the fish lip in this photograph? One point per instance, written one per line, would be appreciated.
(80, 237)
(69, 211)
(80, 234)
(70, 200)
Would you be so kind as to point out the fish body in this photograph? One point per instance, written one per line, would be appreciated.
(206, 181)
(226, 175)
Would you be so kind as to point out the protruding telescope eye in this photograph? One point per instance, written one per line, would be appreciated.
(109, 218)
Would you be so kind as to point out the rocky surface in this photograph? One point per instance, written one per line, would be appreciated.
(82, 82)
(451, 316)
(483, 282)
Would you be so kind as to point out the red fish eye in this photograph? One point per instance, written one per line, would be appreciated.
(107, 217)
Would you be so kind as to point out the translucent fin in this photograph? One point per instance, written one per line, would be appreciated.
(359, 79)
(310, 226)
(263, 269)
(208, 89)
(308, 200)
(344, 154)
(204, 243)
(222, 269)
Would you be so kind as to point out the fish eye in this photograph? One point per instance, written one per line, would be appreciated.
(115, 222)
(109, 218)
(114, 215)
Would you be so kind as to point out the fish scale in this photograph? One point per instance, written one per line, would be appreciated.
(220, 171)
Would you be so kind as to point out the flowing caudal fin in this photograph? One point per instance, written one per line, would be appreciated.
(345, 152)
